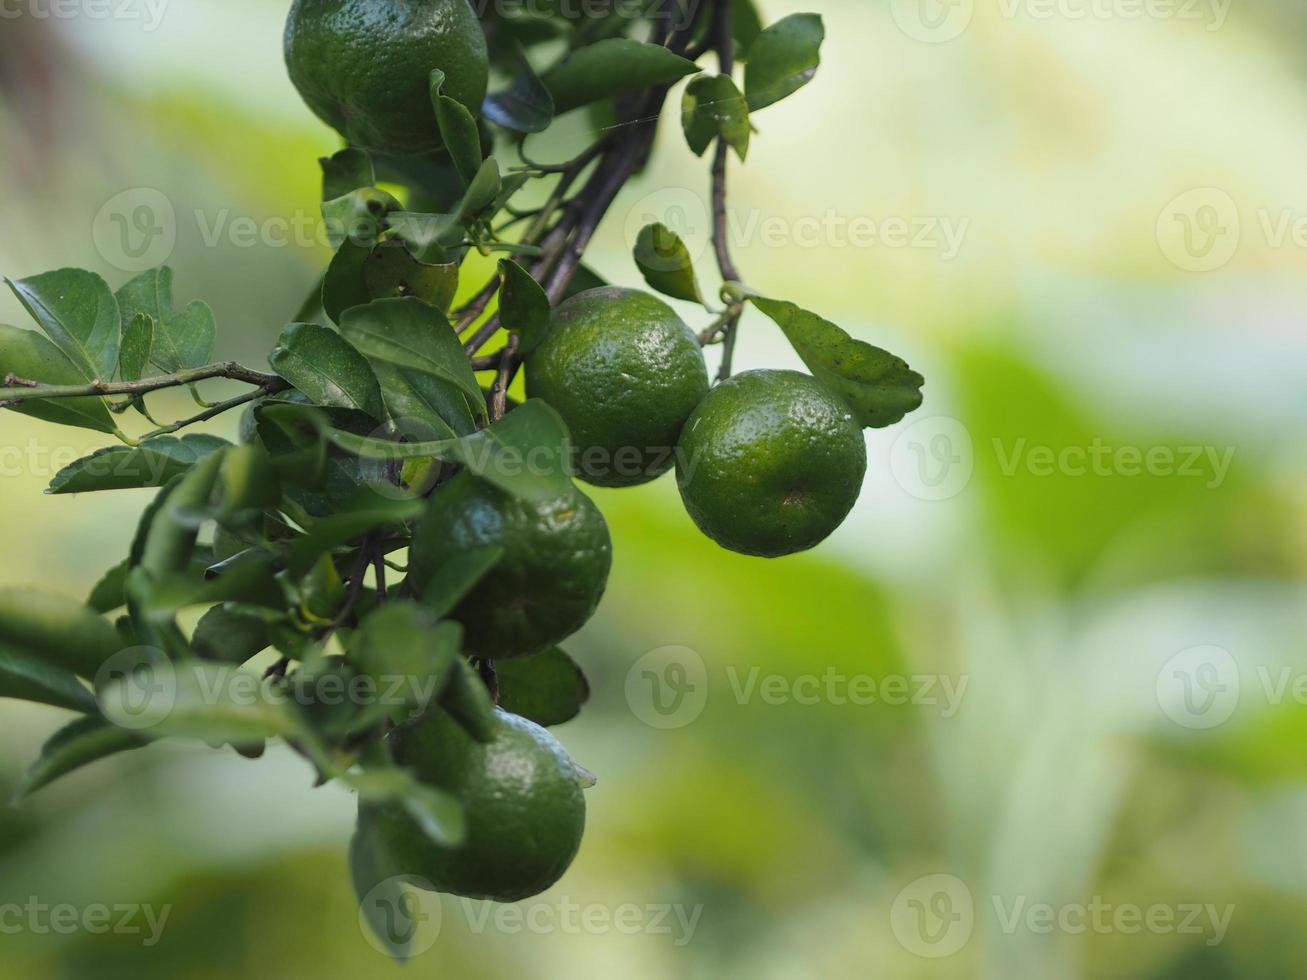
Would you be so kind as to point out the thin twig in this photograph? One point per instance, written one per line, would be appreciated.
(21, 389)
(213, 411)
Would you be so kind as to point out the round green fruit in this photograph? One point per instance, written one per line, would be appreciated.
(770, 463)
(522, 800)
(556, 556)
(625, 373)
(364, 66)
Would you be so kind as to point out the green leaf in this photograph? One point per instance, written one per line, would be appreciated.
(249, 486)
(711, 107)
(84, 741)
(468, 702)
(523, 305)
(783, 59)
(169, 542)
(28, 677)
(358, 216)
(151, 464)
(879, 387)
(525, 106)
(482, 191)
(458, 129)
(344, 285)
(59, 630)
(346, 171)
(227, 636)
(134, 354)
(379, 888)
(78, 312)
(26, 354)
(433, 238)
(414, 337)
(548, 688)
(526, 453)
(439, 814)
(107, 594)
(182, 339)
(407, 654)
(392, 272)
(369, 511)
(322, 364)
(664, 261)
(456, 576)
(746, 24)
(611, 67)
(196, 699)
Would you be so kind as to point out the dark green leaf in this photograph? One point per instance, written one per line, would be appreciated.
(322, 364)
(431, 238)
(344, 284)
(228, 636)
(879, 387)
(151, 464)
(547, 688)
(482, 191)
(379, 888)
(456, 576)
(249, 485)
(182, 339)
(346, 171)
(78, 312)
(84, 741)
(468, 702)
(611, 67)
(525, 106)
(407, 654)
(392, 272)
(26, 354)
(458, 129)
(523, 305)
(711, 107)
(107, 595)
(783, 59)
(28, 677)
(134, 355)
(170, 541)
(438, 813)
(746, 25)
(413, 337)
(664, 261)
(370, 511)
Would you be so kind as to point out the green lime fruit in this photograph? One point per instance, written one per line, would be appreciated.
(364, 66)
(556, 556)
(522, 800)
(625, 373)
(770, 463)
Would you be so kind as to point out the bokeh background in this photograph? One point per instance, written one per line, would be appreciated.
(1036, 710)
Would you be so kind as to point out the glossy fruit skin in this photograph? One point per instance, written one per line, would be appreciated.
(557, 554)
(364, 66)
(523, 802)
(625, 373)
(770, 463)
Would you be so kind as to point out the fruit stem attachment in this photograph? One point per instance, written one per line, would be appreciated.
(725, 44)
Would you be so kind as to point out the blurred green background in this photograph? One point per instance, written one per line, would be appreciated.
(1036, 710)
